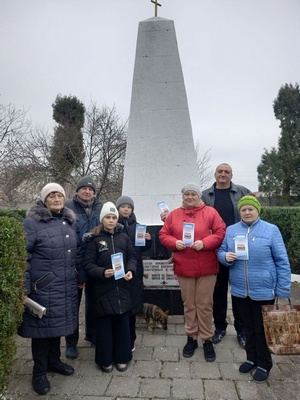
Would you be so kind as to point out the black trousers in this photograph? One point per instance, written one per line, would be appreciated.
(45, 353)
(256, 345)
(221, 303)
(113, 342)
(90, 330)
(132, 324)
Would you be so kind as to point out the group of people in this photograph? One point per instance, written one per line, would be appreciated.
(216, 237)
(230, 243)
(70, 246)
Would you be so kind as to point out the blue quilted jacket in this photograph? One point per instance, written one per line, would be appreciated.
(267, 273)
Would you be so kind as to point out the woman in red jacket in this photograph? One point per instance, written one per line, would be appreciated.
(194, 232)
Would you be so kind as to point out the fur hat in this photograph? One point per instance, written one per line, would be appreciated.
(249, 201)
(125, 200)
(192, 186)
(86, 181)
(108, 208)
(50, 188)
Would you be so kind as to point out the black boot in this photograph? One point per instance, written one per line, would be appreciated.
(189, 348)
(41, 384)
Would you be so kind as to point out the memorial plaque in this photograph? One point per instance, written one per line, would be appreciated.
(159, 273)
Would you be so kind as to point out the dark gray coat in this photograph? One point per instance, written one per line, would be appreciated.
(51, 276)
(236, 193)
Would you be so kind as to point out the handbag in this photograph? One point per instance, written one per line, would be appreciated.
(282, 328)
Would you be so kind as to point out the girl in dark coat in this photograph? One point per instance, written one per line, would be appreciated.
(127, 218)
(51, 281)
(110, 293)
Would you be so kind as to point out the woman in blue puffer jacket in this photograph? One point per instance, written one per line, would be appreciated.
(259, 270)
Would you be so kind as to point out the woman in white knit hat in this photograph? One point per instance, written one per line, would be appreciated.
(110, 263)
(53, 265)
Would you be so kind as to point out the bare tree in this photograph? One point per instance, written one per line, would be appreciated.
(26, 162)
(205, 170)
(14, 125)
(14, 128)
(104, 147)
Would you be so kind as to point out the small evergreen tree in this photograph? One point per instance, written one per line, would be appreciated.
(67, 150)
(279, 170)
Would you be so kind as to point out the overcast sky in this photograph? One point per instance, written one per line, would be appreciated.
(235, 55)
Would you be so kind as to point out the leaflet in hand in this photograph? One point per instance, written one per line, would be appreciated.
(163, 207)
(35, 308)
(241, 246)
(140, 232)
(188, 233)
(118, 265)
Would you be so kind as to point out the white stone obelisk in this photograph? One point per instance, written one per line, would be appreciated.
(160, 154)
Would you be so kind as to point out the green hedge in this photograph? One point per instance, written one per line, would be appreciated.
(12, 272)
(288, 221)
(18, 214)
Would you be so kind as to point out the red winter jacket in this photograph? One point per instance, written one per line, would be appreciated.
(209, 227)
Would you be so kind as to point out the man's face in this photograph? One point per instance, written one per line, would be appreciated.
(85, 194)
(223, 174)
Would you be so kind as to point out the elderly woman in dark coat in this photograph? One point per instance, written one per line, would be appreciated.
(51, 281)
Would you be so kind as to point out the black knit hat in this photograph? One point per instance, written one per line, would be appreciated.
(86, 181)
(124, 200)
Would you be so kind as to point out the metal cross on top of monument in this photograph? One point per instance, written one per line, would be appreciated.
(156, 4)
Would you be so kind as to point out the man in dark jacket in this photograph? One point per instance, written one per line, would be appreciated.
(87, 209)
(224, 196)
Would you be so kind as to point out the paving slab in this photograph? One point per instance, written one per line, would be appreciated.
(159, 371)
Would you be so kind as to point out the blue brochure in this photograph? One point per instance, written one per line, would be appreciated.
(188, 233)
(140, 232)
(241, 246)
(163, 207)
(118, 265)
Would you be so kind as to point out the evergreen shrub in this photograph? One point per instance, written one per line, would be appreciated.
(288, 221)
(19, 214)
(12, 274)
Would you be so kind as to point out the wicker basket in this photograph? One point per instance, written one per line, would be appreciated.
(282, 328)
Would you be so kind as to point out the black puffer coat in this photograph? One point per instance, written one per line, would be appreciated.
(109, 296)
(51, 277)
(137, 283)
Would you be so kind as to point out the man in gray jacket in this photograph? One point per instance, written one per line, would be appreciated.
(224, 196)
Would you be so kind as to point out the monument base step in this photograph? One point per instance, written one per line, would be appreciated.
(167, 298)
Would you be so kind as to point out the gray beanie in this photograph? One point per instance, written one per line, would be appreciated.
(125, 200)
(192, 186)
(50, 188)
(86, 181)
(108, 208)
